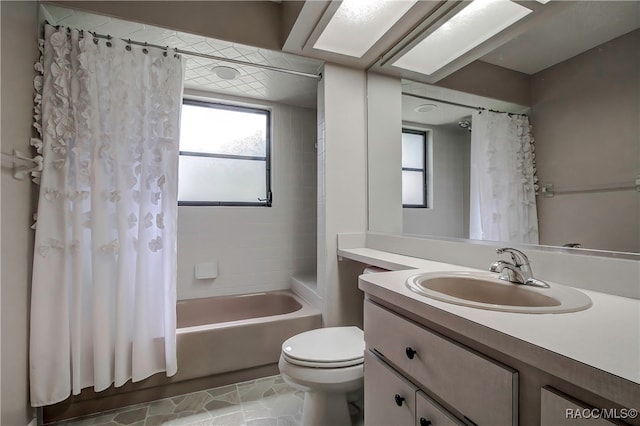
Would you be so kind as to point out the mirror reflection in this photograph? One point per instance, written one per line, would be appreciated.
(571, 178)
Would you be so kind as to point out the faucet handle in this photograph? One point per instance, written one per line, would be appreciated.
(498, 265)
(518, 257)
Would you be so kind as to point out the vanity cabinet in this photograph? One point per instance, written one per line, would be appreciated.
(560, 410)
(430, 413)
(390, 399)
(480, 390)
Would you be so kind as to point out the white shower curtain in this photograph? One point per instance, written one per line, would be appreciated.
(503, 202)
(103, 294)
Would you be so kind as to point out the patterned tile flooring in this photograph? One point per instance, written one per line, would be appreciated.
(264, 402)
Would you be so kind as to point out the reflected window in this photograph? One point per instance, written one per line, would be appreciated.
(414, 168)
(224, 155)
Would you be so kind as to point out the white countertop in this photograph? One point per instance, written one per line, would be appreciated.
(606, 336)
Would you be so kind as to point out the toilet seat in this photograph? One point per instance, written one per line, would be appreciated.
(332, 347)
(316, 364)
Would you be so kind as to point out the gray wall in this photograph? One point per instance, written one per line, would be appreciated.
(586, 121)
(448, 212)
(19, 52)
(491, 81)
(256, 23)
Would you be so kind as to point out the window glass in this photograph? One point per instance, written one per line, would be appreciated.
(207, 179)
(224, 155)
(412, 150)
(412, 188)
(223, 131)
(414, 169)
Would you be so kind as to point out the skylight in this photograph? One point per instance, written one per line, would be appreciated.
(476, 23)
(359, 24)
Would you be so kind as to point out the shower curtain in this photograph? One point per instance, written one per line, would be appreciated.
(104, 272)
(503, 202)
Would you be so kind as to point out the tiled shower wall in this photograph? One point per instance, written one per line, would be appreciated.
(257, 248)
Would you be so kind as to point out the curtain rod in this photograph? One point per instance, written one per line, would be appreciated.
(213, 57)
(459, 104)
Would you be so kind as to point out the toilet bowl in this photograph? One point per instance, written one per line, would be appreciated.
(327, 364)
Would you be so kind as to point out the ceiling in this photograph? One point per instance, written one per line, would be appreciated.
(252, 83)
(558, 31)
(573, 28)
(554, 32)
(443, 113)
(576, 27)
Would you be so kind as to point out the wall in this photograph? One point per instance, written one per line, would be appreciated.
(19, 49)
(342, 202)
(586, 118)
(491, 81)
(384, 147)
(257, 248)
(448, 212)
(255, 23)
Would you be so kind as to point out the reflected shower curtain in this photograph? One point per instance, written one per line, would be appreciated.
(503, 201)
(104, 273)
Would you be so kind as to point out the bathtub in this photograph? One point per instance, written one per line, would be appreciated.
(230, 333)
(219, 341)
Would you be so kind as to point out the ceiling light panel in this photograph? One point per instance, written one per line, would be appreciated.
(359, 24)
(473, 25)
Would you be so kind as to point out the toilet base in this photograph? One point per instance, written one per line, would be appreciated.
(325, 408)
(327, 392)
(327, 365)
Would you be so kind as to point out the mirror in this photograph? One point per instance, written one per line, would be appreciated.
(582, 73)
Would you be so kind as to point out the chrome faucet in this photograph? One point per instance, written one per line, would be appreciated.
(518, 272)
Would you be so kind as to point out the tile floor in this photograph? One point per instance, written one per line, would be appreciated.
(264, 402)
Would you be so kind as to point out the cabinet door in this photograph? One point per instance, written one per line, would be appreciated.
(430, 413)
(556, 409)
(481, 389)
(389, 399)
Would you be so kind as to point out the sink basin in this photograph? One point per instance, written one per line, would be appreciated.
(484, 290)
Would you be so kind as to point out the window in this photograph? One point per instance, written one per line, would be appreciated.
(414, 168)
(224, 155)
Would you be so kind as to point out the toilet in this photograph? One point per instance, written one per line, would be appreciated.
(327, 364)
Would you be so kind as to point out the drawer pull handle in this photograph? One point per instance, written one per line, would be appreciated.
(399, 400)
(424, 422)
(410, 352)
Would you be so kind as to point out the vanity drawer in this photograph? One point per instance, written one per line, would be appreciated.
(430, 413)
(560, 410)
(481, 389)
(389, 399)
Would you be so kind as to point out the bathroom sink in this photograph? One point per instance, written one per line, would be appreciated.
(484, 290)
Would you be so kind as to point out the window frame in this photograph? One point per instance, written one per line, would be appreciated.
(425, 180)
(266, 202)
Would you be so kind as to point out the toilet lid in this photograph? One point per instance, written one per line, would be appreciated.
(335, 346)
